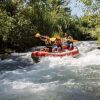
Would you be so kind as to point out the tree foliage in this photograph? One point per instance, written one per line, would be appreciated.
(21, 19)
(91, 20)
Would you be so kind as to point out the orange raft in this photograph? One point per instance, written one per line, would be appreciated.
(73, 53)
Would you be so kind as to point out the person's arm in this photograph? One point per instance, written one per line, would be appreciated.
(70, 37)
(43, 39)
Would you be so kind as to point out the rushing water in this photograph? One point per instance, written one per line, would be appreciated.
(52, 78)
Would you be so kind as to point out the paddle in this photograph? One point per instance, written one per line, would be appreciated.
(75, 41)
(39, 35)
(72, 40)
(54, 38)
(59, 36)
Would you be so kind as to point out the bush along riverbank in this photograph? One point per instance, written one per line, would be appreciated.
(19, 23)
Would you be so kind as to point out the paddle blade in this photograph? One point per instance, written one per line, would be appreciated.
(57, 36)
(37, 35)
(52, 39)
(75, 41)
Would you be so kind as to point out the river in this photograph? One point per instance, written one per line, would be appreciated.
(64, 78)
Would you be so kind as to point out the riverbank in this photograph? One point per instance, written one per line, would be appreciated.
(4, 54)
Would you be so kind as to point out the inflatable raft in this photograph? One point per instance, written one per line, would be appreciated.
(39, 54)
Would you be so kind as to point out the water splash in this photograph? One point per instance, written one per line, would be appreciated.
(64, 78)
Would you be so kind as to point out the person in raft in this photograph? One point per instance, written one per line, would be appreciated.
(68, 41)
(58, 45)
(48, 42)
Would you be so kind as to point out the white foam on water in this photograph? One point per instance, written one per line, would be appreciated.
(7, 61)
(53, 74)
(23, 86)
(23, 57)
(91, 58)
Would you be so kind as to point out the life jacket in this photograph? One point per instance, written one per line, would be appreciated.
(59, 45)
(68, 40)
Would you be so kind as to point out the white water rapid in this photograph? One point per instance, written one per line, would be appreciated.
(64, 78)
